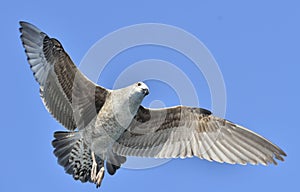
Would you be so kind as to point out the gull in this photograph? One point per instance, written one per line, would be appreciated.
(105, 126)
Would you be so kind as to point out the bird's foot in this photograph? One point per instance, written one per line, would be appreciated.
(94, 168)
(99, 177)
(96, 177)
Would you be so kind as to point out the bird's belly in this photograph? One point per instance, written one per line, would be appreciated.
(102, 136)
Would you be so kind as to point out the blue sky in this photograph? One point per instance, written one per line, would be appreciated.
(255, 43)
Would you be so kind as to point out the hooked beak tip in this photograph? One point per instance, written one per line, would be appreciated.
(146, 92)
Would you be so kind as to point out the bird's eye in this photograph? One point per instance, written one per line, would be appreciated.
(139, 84)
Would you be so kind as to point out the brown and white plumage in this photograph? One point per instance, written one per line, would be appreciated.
(185, 132)
(60, 81)
(67, 94)
(91, 112)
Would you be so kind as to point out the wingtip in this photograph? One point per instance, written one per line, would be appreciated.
(279, 157)
(280, 154)
(21, 27)
(22, 24)
(26, 25)
(283, 153)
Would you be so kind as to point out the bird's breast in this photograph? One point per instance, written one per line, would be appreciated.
(106, 129)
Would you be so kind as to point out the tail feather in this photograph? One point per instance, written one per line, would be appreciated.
(114, 162)
(74, 155)
(63, 144)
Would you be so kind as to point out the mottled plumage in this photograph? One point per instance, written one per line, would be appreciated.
(108, 125)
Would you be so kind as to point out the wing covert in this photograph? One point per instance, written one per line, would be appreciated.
(62, 85)
(185, 132)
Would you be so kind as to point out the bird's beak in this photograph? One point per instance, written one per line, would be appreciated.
(145, 91)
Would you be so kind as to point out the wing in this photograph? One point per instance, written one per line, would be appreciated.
(67, 94)
(185, 132)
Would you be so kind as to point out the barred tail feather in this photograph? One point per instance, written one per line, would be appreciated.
(74, 155)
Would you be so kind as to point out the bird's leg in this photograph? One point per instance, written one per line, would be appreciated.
(94, 168)
(96, 177)
(99, 177)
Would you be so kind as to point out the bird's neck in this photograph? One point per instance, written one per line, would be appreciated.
(123, 108)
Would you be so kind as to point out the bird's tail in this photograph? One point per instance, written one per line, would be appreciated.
(74, 155)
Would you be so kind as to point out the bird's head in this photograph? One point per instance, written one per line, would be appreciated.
(141, 89)
(137, 92)
(131, 95)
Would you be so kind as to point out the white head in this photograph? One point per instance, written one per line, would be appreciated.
(139, 91)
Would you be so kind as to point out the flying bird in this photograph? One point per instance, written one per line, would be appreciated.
(105, 126)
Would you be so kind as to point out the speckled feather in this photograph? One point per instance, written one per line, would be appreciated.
(113, 125)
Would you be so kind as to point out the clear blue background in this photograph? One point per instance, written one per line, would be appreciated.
(256, 44)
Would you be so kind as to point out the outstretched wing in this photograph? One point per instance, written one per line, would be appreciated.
(185, 132)
(67, 94)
